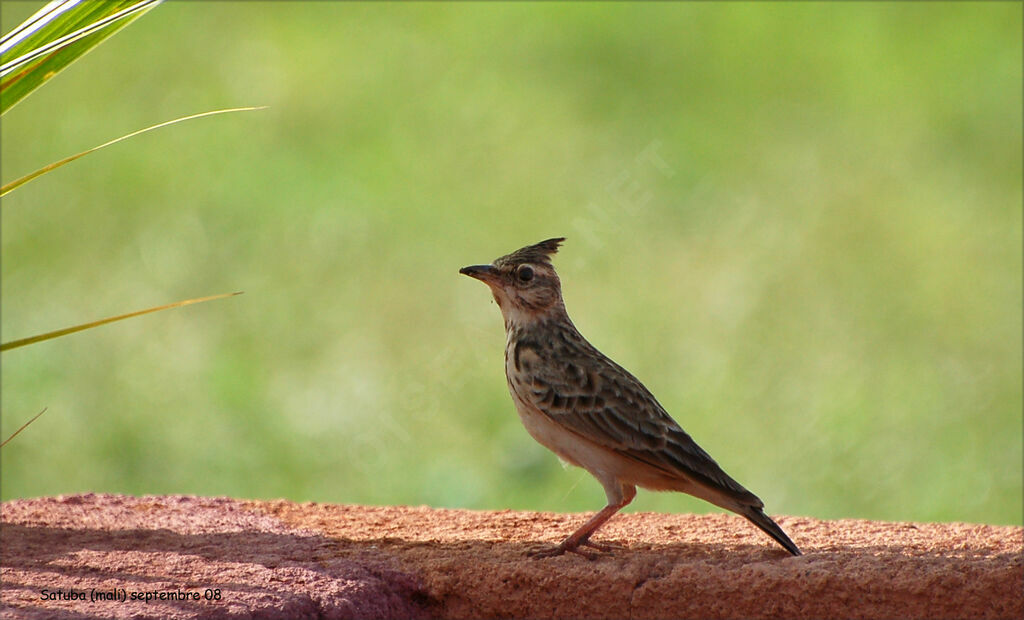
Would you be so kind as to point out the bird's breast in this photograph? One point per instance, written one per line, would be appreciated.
(522, 360)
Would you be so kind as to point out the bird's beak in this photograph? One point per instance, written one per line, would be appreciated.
(484, 273)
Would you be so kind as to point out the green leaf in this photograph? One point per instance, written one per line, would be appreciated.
(121, 317)
(56, 36)
(57, 164)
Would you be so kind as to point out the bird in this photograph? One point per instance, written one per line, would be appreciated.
(591, 412)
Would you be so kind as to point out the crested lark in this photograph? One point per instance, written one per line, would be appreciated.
(589, 410)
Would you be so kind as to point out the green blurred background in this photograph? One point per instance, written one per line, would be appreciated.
(799, 224)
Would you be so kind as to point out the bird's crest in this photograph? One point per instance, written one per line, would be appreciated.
(539, 253)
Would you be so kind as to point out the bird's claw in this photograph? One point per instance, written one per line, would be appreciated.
(564, 548)
(561, 549)
(605, 547)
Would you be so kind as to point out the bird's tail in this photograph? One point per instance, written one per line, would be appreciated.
(756, 516)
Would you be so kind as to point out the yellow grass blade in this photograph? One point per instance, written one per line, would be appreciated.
(84, 326)
(57, 164)
(23, 427)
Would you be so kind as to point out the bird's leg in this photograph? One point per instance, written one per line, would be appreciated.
(605, 547)
(618, 497)
(582, 535)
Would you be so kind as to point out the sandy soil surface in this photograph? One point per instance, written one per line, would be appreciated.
(192, 557)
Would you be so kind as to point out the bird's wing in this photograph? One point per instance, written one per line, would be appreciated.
(593, 396)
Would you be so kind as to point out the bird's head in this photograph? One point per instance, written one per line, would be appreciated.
(524, 283)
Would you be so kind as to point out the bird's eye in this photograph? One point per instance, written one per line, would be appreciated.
(524, 273)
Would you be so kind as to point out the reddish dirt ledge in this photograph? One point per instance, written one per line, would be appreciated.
(248, 559)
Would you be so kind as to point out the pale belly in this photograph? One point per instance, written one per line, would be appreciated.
(608, 466)
(616, 466)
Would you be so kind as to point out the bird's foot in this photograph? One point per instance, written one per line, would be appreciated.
(574, 547)
(605, 547)
(561, 549)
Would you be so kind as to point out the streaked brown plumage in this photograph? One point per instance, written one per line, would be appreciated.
(592, 412)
